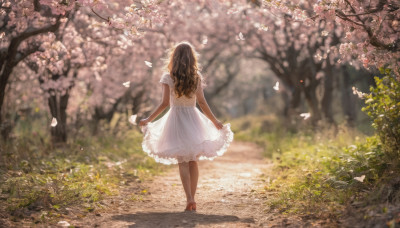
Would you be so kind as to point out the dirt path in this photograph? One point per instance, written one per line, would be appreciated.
(228, 196)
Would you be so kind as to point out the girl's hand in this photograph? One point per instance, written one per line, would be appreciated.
(218, 124)
(143, 122)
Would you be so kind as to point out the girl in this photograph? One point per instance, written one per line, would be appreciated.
(184, 135)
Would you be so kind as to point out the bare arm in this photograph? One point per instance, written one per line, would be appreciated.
(164, 104)
(201, 100)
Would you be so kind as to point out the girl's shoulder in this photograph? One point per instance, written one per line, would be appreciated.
(166, 79)
(201, 78)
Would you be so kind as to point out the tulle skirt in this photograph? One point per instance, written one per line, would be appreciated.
(185, 134)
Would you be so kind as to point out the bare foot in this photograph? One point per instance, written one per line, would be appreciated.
(191, 206)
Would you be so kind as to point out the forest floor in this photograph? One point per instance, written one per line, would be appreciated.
(230, 194)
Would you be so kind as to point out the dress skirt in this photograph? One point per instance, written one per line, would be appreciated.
(185, 134)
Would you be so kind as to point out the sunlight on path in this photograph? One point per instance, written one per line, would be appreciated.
(228, 196)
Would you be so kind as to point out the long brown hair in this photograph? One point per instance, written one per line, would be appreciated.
(183, 69)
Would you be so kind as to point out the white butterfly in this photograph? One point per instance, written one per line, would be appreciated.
(361, 179)
(149, 64)
(127, 84)
(54, 122)
(276, 86)
(305, 115)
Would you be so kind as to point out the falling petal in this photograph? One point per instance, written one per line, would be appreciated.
(63, 224)
(245, 174)
(324, 33)
(54, 122)
(132, 119)
(276, 86)
(264, 28)
(360, 94)
(149, 64)
(126, 32)
(261, 27)
(305, 115)
(127, 84)
(240, 37)
(361, 179)
(97, 76)
(205, 41)
(232, 11)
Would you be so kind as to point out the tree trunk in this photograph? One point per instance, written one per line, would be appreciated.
(327, 96)
(292, 99)
(286, 100)
(347, 98)
(295, 100)
(11, 58)
(58, 109)
(312, 102)
(95, 125)
(100, 114)
(5, 75)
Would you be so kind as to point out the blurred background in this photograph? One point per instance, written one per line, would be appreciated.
(89, 74)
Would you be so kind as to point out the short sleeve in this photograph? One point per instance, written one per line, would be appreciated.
(202, 81)
(166, 79)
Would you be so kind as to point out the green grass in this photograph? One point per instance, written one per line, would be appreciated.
(315, 172)
(305, 176)
(266, 131)
(38, 177)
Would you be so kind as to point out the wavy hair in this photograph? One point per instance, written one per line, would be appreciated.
(183, 69)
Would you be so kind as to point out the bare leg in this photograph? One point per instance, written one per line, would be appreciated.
(194, 177)
(185, 178)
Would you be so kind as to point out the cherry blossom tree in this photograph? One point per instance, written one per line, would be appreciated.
(23, 25)
(102, 57)
(25, 30)
(301, 54)
(321, 32)
(371, 30)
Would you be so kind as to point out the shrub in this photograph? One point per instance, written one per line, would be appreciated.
(383, 106)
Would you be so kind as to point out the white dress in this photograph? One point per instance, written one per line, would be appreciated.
(184, 133)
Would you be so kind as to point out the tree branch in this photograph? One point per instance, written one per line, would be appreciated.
(16, 41)
(106, 19)
(26, 52)
(36, 5)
